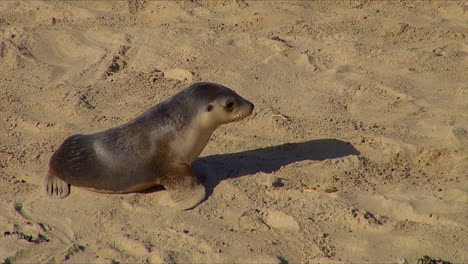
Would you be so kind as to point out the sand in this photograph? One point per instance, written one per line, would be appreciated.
(356, 151)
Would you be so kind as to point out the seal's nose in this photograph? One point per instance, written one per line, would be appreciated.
(252, 106)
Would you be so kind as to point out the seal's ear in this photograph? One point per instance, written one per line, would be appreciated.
(209, 108)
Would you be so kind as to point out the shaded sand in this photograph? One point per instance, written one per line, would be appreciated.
(356, 151)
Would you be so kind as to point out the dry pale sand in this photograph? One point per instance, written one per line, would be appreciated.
(356, 151)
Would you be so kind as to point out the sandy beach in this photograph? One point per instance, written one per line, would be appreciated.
(356, 152)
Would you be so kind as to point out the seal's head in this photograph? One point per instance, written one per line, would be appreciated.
(220, 105)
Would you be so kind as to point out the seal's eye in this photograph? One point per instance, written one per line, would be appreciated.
(209, 108)
(229, 106)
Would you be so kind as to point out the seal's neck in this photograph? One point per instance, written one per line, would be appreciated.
(191, 142)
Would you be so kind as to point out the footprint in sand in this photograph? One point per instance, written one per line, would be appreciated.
(308, 62)
(247, 220)
(179, 74)
(155, 258)
(59, 229)
(262, 259)
(135, 207)
(83, 57)
(288, 57)
(279, 220)
(29, 239)
(276, 45)
(129, 247)
(459, 136)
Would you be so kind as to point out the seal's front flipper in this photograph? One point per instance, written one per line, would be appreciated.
(185, 199)
(57, 187)
(184, 189)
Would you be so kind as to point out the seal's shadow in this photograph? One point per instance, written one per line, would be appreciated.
(223, 166)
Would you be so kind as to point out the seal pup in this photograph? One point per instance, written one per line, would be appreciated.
(156, 148)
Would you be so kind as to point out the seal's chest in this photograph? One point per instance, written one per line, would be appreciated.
(188, 146)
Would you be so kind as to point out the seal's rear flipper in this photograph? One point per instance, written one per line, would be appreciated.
(57, 187)
(184, 189)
